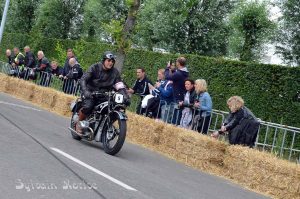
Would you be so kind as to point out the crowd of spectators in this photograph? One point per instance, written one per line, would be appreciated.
(177, 99)
(174, 98)
(30, 67)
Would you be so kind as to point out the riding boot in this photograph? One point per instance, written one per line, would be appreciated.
(81, 117)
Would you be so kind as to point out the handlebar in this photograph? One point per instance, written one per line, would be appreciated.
(102, 94)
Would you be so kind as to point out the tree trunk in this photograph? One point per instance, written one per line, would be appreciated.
(126, 32)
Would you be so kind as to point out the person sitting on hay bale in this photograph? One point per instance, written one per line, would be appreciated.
(241, 124)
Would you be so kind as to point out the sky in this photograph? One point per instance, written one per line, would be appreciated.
(270, 57)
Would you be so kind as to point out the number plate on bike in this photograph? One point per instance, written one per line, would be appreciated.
(119, 98)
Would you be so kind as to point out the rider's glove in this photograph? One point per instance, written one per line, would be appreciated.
(127, 102)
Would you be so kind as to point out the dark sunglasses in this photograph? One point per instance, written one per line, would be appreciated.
(110, 60)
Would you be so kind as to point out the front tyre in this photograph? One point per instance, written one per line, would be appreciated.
(114, 134)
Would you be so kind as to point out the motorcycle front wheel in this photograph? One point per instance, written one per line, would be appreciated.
(114, 134)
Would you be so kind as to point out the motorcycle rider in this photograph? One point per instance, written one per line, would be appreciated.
(100, 77)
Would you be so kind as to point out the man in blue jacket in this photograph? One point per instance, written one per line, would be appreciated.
(178, 78)
(163, 97)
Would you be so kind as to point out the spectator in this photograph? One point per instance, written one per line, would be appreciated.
(18, 62)
(171, 68)
(241, 124)
(164, 90)
(187, 104)
(140, 87)
(43, 64)
(75, 71)
(67, 67)
(44, 68)
(30, 63)
(178, 78)
(55, 69)
(71, 78)
(9, 56)
(203, 106)
(70, 54)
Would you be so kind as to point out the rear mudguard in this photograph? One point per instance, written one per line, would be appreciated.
(75, 106)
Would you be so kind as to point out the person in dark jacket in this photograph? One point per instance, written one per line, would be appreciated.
(55, 69)
(71, 78)
(30, 60)
(29, 63)
(43, 64)
(187, 104)
(178, 77)
(70, 54)
(9, 56)
(140, 87)
(100, 77)
(67, 67)
(241, 124)
(43, 68)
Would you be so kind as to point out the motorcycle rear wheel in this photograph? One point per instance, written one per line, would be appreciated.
(72, 125)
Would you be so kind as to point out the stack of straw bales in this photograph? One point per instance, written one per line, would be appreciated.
(256, 170)
(45, 97)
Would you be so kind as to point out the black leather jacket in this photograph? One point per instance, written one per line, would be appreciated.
(237, 117)
(98, 79)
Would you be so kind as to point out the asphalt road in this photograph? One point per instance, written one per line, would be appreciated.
(39, 159)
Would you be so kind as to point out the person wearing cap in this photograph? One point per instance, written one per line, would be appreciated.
(100, 77)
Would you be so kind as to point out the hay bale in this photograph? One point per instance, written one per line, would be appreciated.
(45, 97)
(188, 147)
(262, 172)
(169, 136)
(23, 89)
(4, 79)
(62, 104)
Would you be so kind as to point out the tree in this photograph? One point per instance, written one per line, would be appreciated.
(188, 26)
(124, 36)
(60, 19)
(99, 13)
(113, 22)
(250, 29)
(289, 33)
(21, 17)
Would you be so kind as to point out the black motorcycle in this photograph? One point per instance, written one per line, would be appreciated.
(106, 124)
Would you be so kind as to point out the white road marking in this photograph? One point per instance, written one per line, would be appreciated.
(94, 170)
(20, 106)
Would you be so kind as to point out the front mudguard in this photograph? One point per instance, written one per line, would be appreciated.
(119, 114)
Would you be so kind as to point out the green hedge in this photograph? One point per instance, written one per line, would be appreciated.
(270, 91)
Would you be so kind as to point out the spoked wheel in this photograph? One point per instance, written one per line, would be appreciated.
(114, 134)
(72, 125)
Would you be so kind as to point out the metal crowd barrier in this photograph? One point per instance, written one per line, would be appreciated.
(68, 86)
(281, 140)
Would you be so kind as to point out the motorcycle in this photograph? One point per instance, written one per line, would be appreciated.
(106, 124)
